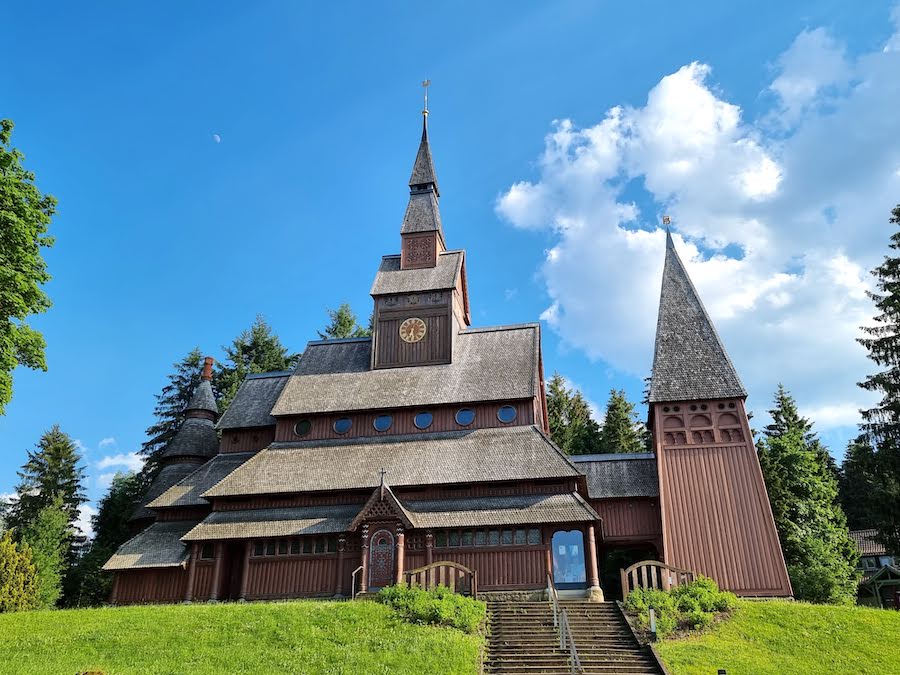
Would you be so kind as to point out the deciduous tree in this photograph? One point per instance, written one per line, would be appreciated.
(48, 537)
(25, 214)
(821, 558)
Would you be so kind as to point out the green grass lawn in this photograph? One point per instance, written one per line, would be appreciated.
(286, 637)
(791, 637)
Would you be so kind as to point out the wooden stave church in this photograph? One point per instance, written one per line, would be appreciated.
(430, 441)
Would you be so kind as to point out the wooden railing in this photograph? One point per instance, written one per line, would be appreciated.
(458, 578)
(353, 582)
(653, 574)
(561, 624)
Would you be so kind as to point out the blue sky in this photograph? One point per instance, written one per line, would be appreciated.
(561, 132)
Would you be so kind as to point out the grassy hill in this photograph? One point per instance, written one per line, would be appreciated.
(288, 637)
(791, 637)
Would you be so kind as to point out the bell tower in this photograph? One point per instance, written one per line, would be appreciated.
(421, 298)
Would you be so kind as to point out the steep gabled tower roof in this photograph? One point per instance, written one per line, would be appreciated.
(689, 361)
(422, 212)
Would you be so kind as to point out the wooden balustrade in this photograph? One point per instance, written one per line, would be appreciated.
(653, 574)
(458, 578)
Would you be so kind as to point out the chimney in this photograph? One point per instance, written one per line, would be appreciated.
(206, 375)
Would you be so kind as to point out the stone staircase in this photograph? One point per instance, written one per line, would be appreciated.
(523, 640)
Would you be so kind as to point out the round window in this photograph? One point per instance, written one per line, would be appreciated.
(465, 417)
(342, 425)
(506, 414)
(423, 420)
(302, 427)
(383, 422)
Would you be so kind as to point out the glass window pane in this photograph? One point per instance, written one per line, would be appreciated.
(257, 548)
(467, 538)
(465, 417)
(307, 545)
(520, 537)
(423, 420)
(494, 538)
(506, 414)
(331, 544)
(453, 539)
(295, 546)
(207, 552)
(507, 537)
(534, 536)
(440, 539)
(480, 538)
(282, 547)
(270, 548)
(383, 422)
(342, 425)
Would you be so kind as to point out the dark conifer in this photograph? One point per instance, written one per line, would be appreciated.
(171, 401)
(622, 429)
(343, 324)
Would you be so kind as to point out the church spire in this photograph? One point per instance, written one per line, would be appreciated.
(423, 177)
(689, 361)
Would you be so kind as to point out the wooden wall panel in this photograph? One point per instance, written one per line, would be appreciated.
(716, 515)
(246, 440)
(629, 519)
(435, 347)
(403, 422)
(151, 586)
(506, 568)
(203, 580)
(292, 576)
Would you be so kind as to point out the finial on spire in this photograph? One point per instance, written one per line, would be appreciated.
(425, 85)
(382, 472)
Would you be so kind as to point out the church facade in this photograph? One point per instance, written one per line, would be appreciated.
(429, 441)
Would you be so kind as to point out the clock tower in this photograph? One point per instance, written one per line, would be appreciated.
(421, 299)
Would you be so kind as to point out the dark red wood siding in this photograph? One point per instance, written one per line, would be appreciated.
(246, 440)
(151, 586)
(629, 520)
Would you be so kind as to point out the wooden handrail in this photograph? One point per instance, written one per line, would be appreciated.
(653, 574)
(353, 582)
(447, 573)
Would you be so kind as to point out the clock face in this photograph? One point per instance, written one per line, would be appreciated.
(412, 330)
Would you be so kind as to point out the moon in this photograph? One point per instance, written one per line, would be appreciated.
(217, 138)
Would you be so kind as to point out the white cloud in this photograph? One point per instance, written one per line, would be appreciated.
(83, 522)
(106, 442)
(777, 228)
(132, 461)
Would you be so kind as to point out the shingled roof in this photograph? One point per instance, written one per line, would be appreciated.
(619, 475)
(195, 438)
(489, 364)
(867, 543)
(159, 545)
(166, 478)
(274, 522)
(689, 360)
(187, 491)
(488, 511)
(482, 455)
(423, 173)
(391, 279)
(254, 400)
(203, 398)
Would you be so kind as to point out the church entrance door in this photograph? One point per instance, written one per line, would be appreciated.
(381, 560)
(568, 559)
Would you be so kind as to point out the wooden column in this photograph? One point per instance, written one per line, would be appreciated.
(401, 550)
(364, 552)
(114, 596)
(591, 554)
(245, 571)
(217, 573)
(429, 556)
(339, 575)
(192, 572)
(548, 552)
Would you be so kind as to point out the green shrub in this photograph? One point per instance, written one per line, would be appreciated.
(439, 606)
(18, 579)
(690, 606)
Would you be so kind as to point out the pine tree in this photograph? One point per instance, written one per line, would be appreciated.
(25, 215)
(858, 484)
(255, 350)
(171, 401)
(343, 324)
(572, 427)
(50, 471)
(48, 537)
(821, 558)
(622, 430)
(882, 423)
(18, 579)
(111, 530)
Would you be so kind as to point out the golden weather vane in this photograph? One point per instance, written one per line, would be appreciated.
(425, 84)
